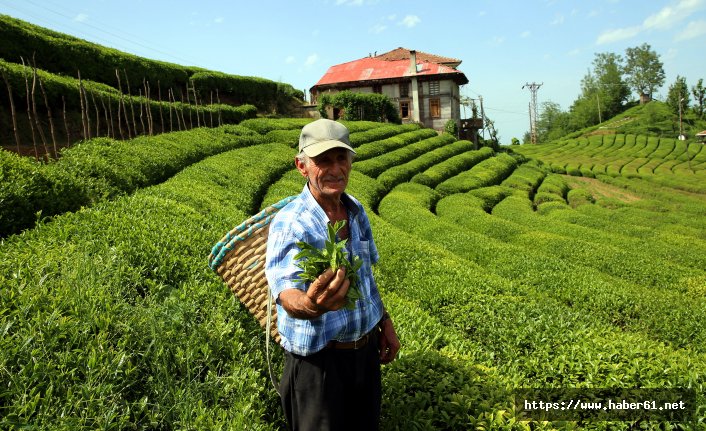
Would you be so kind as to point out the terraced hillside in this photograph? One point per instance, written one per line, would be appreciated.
(499, 270)
(664, 161)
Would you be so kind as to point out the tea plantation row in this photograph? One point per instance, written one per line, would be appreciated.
(499, 274)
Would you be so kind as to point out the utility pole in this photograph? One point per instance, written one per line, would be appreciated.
(482, 114)
(533, 87)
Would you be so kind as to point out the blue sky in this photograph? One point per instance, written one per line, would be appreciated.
(503, 44)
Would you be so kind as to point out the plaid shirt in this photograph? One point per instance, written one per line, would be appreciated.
(304, 220)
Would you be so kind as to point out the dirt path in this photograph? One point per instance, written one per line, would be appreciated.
(600, 189)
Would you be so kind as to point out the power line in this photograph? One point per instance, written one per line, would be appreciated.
(533, 87)
(505, 111)
(125, 37)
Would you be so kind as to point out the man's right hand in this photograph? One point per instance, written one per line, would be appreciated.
(326, 293)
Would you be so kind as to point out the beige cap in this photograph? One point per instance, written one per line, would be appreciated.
(323, 135)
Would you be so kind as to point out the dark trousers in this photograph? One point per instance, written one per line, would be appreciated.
(333, 389)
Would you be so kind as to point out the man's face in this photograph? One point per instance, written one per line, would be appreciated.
(327, 173)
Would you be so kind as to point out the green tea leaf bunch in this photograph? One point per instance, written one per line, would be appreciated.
(314, 262)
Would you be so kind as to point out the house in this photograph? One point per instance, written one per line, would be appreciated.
(701, 136)
(424, 86)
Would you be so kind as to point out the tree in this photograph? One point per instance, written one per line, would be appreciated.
(678, 95)
(584, 111)
(644, 71)
(603, 92)
(699, 95)
(553, 123)
(612, 91)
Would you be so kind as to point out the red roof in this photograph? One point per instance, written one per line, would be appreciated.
(375, 68)
(404, 54)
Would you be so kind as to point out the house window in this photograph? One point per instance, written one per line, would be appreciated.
(404, 109)
(404, 90)
(435, 108)
(377, 88)
(433, 88)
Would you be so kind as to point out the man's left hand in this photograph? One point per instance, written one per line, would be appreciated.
(389, 344)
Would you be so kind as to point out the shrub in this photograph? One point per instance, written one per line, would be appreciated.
(451, 127)
(361, 106)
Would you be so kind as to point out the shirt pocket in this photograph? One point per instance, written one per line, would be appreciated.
(365, 272)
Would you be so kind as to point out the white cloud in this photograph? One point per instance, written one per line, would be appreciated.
(350, 2)
(378, 28)
(82, 17)
(311, 60)
(669, 15)
(290, 59)
(616, 35)
(410, 21)
(664, 19)
(526, 34)
(219, 20)
(482, 13)
(693, 30)
(574, 52)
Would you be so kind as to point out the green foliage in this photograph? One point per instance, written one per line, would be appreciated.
(644, 70)
(452, 166)
(488, 172)
(101, 169)
(30, 191)
(405, 171)
(451, 127)
(380, 133)
(376, 166)
(109, 110)
(678, 96)
(399, 140)
(361, 106)
(699, 94)
(333, 255)
(66, 55)
(266, 125)
(112, 320)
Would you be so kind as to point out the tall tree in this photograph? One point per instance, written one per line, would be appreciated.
(612, 90)
(699, 93)
(553, 123)
(644, 71)
(603, 92)
(678, 95)
(585, 111)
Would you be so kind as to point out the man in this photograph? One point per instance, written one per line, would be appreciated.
(331, 378)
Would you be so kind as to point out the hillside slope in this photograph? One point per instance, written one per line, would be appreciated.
(499, 274)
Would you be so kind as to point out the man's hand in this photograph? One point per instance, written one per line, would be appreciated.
(326, 293)
(389, 344)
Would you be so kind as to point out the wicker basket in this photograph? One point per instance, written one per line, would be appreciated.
(239, 258)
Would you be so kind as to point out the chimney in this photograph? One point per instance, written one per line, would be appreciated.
(415, 87)
(413, 62)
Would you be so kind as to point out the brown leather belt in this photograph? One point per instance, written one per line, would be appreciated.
(351, 345)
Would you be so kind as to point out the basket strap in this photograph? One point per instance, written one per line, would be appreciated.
(267, 341)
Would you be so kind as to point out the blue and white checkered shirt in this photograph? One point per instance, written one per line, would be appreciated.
(304, 220)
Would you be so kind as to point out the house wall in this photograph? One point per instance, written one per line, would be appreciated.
(448, 96)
